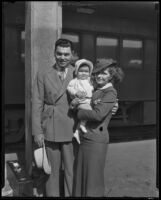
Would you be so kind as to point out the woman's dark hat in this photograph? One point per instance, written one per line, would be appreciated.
(102, 65)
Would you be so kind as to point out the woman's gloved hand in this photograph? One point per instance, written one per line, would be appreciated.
(115, 108)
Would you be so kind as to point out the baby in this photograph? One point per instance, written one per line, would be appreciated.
(81, 88)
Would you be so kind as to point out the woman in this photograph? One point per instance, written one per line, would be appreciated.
(89, 177)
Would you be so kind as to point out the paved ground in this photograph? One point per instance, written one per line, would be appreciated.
(130, 169)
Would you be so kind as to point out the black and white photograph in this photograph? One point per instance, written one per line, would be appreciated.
(80, 99)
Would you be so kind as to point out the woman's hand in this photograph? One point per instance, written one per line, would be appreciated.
(39, 139)
(115, 108)
(74, 103)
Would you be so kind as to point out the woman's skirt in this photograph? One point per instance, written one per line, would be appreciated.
(89, 177)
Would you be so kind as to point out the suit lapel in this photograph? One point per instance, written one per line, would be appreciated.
(57, 83)
(54, 79)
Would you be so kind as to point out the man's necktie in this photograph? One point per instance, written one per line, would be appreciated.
(62, 75)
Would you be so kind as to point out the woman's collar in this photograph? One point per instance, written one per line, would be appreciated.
(106, 86)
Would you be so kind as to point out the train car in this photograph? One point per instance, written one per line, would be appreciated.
(123, 31)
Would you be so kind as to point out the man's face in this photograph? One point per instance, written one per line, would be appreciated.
(63, 56)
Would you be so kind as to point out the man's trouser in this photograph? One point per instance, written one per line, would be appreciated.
(60, 153)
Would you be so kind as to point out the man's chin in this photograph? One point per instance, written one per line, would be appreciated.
(63, 65)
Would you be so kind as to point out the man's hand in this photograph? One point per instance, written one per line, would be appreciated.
(115, 108)
(81, 94)
(39, 139)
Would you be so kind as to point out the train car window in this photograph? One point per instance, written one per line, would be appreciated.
(106, 48)
(131, 54)
(76, 41)
(23, 46)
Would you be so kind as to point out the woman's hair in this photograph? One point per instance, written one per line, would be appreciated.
(116, 73)
(64, 43)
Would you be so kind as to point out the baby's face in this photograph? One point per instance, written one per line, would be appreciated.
(83, 72)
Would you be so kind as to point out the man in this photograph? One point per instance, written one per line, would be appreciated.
(53, 122)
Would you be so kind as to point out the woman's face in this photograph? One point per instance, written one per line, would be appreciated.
(102, 77)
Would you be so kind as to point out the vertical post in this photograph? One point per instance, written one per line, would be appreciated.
(42, 28)
(28, 75)
(3, 104)
(157, 97)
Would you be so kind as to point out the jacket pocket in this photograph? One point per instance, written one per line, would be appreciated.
(45, 118)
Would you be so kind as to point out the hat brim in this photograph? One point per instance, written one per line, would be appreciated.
(41, 160)
(46, 164)
(38, 156)
(102, 67)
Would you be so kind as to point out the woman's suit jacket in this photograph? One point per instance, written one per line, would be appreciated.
(51, 115)
(98, 118)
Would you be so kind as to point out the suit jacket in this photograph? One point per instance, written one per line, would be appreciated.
(98, 118)
(50, 114)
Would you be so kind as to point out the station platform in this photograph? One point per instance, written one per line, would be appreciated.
(130, 169)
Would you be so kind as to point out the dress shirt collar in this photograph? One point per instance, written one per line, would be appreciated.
(60, 69)
(61, 73)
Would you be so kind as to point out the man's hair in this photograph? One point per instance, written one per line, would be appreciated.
(64, 43)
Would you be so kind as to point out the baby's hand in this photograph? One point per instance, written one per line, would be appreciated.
(81, 94)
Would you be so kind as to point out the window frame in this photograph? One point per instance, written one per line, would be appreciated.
(73, 32)
(111, 37)
(120, 46)
(142, 51)
(20, 48)
(119, 37)
(20, 29)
